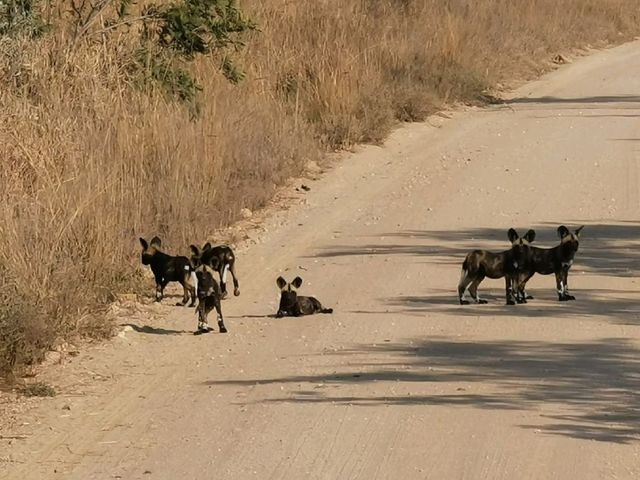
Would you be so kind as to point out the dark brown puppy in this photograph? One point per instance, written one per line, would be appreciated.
(167, 268)
(557, 260)
(294, 305)
(479, 264)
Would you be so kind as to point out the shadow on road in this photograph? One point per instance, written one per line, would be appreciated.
(597, 382)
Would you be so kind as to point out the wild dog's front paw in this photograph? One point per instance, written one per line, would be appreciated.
(528, 297)
(510, 302)
(569, 297)
(464, 302)
(236, 292)
(482, 301)
(223, 295)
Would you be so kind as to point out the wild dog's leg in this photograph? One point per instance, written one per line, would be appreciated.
(565, 278)
(236, 284)
(160, 291)
(522, 282)
(473, 291)
(185, 293)
(465, 281)
(519, 283)
(560, 287)
(509, 282)
(201, 311)
(221, 326)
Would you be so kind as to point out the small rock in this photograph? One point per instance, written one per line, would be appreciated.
(246, 213)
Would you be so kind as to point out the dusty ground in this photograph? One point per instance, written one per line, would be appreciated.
(400, 382)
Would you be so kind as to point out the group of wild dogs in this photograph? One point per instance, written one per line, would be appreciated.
(196, 275)
(517, 265)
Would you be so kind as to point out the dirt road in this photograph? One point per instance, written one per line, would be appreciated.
(400, 382)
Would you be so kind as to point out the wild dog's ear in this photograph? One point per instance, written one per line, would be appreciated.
(530, 236)
(194, 250)
(206, 246)
(513, 235)
(156, 242)
(144, 243)
(281, 282)
(578, 230)
(297, 282)
(563, 231)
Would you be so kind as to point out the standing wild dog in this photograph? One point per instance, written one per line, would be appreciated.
(294, 305)
(557, 260)
(208, 299)
(167, 268)
(221, 259)
(480, 264)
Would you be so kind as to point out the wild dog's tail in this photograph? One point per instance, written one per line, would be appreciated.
(225, 270)
(465, 270)
(326, 310)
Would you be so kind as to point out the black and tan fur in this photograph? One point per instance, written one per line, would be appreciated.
(294, 305)
(208, 299)
(221, 259)
(167, 268)
(556, 260)
(479, 264)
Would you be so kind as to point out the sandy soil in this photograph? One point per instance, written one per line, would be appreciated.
(400, 382)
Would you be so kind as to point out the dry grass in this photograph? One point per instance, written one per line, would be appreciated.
(90, 163)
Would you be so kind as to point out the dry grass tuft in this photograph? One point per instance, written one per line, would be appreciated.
(90, 163)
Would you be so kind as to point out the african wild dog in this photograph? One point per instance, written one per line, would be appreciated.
(208, 299)
(479, 264)
(557, 260)
(167, 268)
(221, 259)
(294, 305)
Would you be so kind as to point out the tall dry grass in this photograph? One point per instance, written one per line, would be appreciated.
(90, 163)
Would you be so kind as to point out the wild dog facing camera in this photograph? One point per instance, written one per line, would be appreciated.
(208, 300)
(167, 268)
(557, 260)
(294, 305)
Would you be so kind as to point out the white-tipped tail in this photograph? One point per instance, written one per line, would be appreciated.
(224, 273)
(463, 275)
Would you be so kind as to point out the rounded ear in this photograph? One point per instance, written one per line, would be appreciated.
(578, 230)
(530, 236)
(281, 282)
(297, 282)
(156, 242)
(144, 243)
(206, 246)
(512, 235)
(194, 250)
(563, 231)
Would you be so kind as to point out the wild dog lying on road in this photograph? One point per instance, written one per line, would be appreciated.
(208, 299)
(167, 268)
(221, 259)
(557, 260)
(480, 264)
(294, 305)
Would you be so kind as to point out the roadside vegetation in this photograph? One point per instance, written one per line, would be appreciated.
(122, 119)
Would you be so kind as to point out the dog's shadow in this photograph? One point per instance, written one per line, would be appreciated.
(271, 315)
(153, 330)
